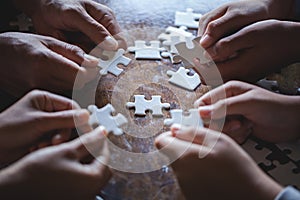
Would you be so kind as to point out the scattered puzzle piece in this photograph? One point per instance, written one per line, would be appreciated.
(175, 40)
(111, 65)
(192, 118)
(292, 149)
(142, 105)
(188, 18)
(182, 79)
(191, 52)
(144, 51)
(103, 117)
(172, 31)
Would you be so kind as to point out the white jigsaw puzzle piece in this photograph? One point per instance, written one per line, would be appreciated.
(188, 18)
(172, 31)
(142, 105)
(182, 79)
(103, 116)
(191, 50)
(143, 51)
(192, 118)
(111, 65)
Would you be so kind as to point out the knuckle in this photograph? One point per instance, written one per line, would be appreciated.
(212, 26)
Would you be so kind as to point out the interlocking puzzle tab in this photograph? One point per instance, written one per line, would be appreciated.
(190, 52)
(192, 118)
(188, 18)
(111, 65)
(182, 79)
(173, 31)
(103, 116)
(142, 105)
(144, 51)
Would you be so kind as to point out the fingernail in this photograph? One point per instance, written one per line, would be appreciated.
(205, 41)
(110, 43)
(175, 128)
(205, 111)
(90, 58)
(81, 116)
(103, 130)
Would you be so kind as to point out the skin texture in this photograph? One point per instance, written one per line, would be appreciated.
(92, 21)
(59, 172)
(44, 118)
(43, 62)
(243, 41)
(225, 172)
(270, 116)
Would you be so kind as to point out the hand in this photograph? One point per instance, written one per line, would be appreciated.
(233, 16)
(33, 61)
(256, 50)
(59, 172)
(272, 117)
(38, 117)
(55, 17)
(226, 170)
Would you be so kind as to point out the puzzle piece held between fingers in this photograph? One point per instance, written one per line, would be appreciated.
(175, 40)
(192, 118)
(111, 65)
(191, 52)
(141, 105)
(188, 18)
(182, 79)
(103, 116)
(144, 51)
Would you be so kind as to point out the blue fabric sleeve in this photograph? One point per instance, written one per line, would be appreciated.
(289, 193)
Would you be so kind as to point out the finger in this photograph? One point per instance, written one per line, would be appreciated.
(229, 89)
(90, 144)
(188, 134)
(206, 19)
(67, 50)
(62, 119)
(104, 15)
(93, 29)
(228, 47)
(236, 105)
(223, 26)
(49, 102)
(62, 70)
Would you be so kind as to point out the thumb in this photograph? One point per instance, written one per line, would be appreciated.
(92, 143)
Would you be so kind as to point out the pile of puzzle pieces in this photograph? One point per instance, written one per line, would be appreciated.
(175, 41)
